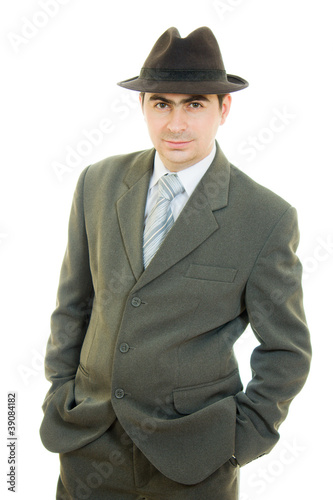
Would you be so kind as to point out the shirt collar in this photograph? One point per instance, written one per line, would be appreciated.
(189, 177)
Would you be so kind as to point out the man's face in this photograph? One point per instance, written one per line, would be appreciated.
(183, 127)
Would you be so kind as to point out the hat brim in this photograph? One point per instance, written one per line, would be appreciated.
(233, 83)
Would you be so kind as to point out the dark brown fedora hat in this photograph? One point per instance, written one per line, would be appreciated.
(191, 65)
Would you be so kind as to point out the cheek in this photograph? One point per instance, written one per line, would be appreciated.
(209, 124)
(155, 127)
(152, 129)
(205, 131)
(213, 125)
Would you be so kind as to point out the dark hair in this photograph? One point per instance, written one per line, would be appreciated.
(219, 96)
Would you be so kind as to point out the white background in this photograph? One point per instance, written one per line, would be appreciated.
(58, 83)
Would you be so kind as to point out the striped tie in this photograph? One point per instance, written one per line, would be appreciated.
(160, 220)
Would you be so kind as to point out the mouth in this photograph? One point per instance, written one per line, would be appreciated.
(177, 144)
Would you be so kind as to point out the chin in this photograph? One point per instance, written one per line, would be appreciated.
(179, 157)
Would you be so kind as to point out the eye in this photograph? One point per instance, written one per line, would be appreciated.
(161, 105)
(196, 105)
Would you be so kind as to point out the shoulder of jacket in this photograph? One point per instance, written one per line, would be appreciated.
(253, 195)
(109, 175)
(112, 164)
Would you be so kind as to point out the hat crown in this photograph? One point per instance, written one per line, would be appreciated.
(191, 65)
(199, 49)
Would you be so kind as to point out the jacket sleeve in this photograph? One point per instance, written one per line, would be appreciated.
(70, 319)
(280, 364)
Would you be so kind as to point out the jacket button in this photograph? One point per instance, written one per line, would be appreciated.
(119, 393)
(124, 348)
(136, 302)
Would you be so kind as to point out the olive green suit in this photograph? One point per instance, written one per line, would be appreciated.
(154, 348)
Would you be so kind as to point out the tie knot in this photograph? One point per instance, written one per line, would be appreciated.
(169, 186)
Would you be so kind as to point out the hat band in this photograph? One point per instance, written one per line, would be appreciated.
(183, 75)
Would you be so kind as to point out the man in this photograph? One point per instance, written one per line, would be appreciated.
(172, 252)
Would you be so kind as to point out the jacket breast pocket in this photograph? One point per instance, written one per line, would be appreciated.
(211, 273)
(188, 400)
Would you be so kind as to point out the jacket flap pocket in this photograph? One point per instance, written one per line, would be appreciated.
(211, 273)
(188, 400)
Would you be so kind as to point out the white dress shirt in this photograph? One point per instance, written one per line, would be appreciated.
(189, 177)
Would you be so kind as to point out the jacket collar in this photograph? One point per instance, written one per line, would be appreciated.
(193, 226)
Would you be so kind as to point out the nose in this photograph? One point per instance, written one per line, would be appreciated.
(177, 121)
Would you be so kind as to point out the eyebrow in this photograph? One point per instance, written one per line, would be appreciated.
(199, 97)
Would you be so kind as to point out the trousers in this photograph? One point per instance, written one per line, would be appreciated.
(113, 468)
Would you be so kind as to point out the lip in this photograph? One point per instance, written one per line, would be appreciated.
(177, 144)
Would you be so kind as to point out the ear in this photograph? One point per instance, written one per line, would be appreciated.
(141, 99)
(226, 105)
(142, 104)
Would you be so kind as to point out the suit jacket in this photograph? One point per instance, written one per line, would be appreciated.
(154, 347)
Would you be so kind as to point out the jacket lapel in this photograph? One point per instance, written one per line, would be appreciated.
(131, 209)
(193, 226)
